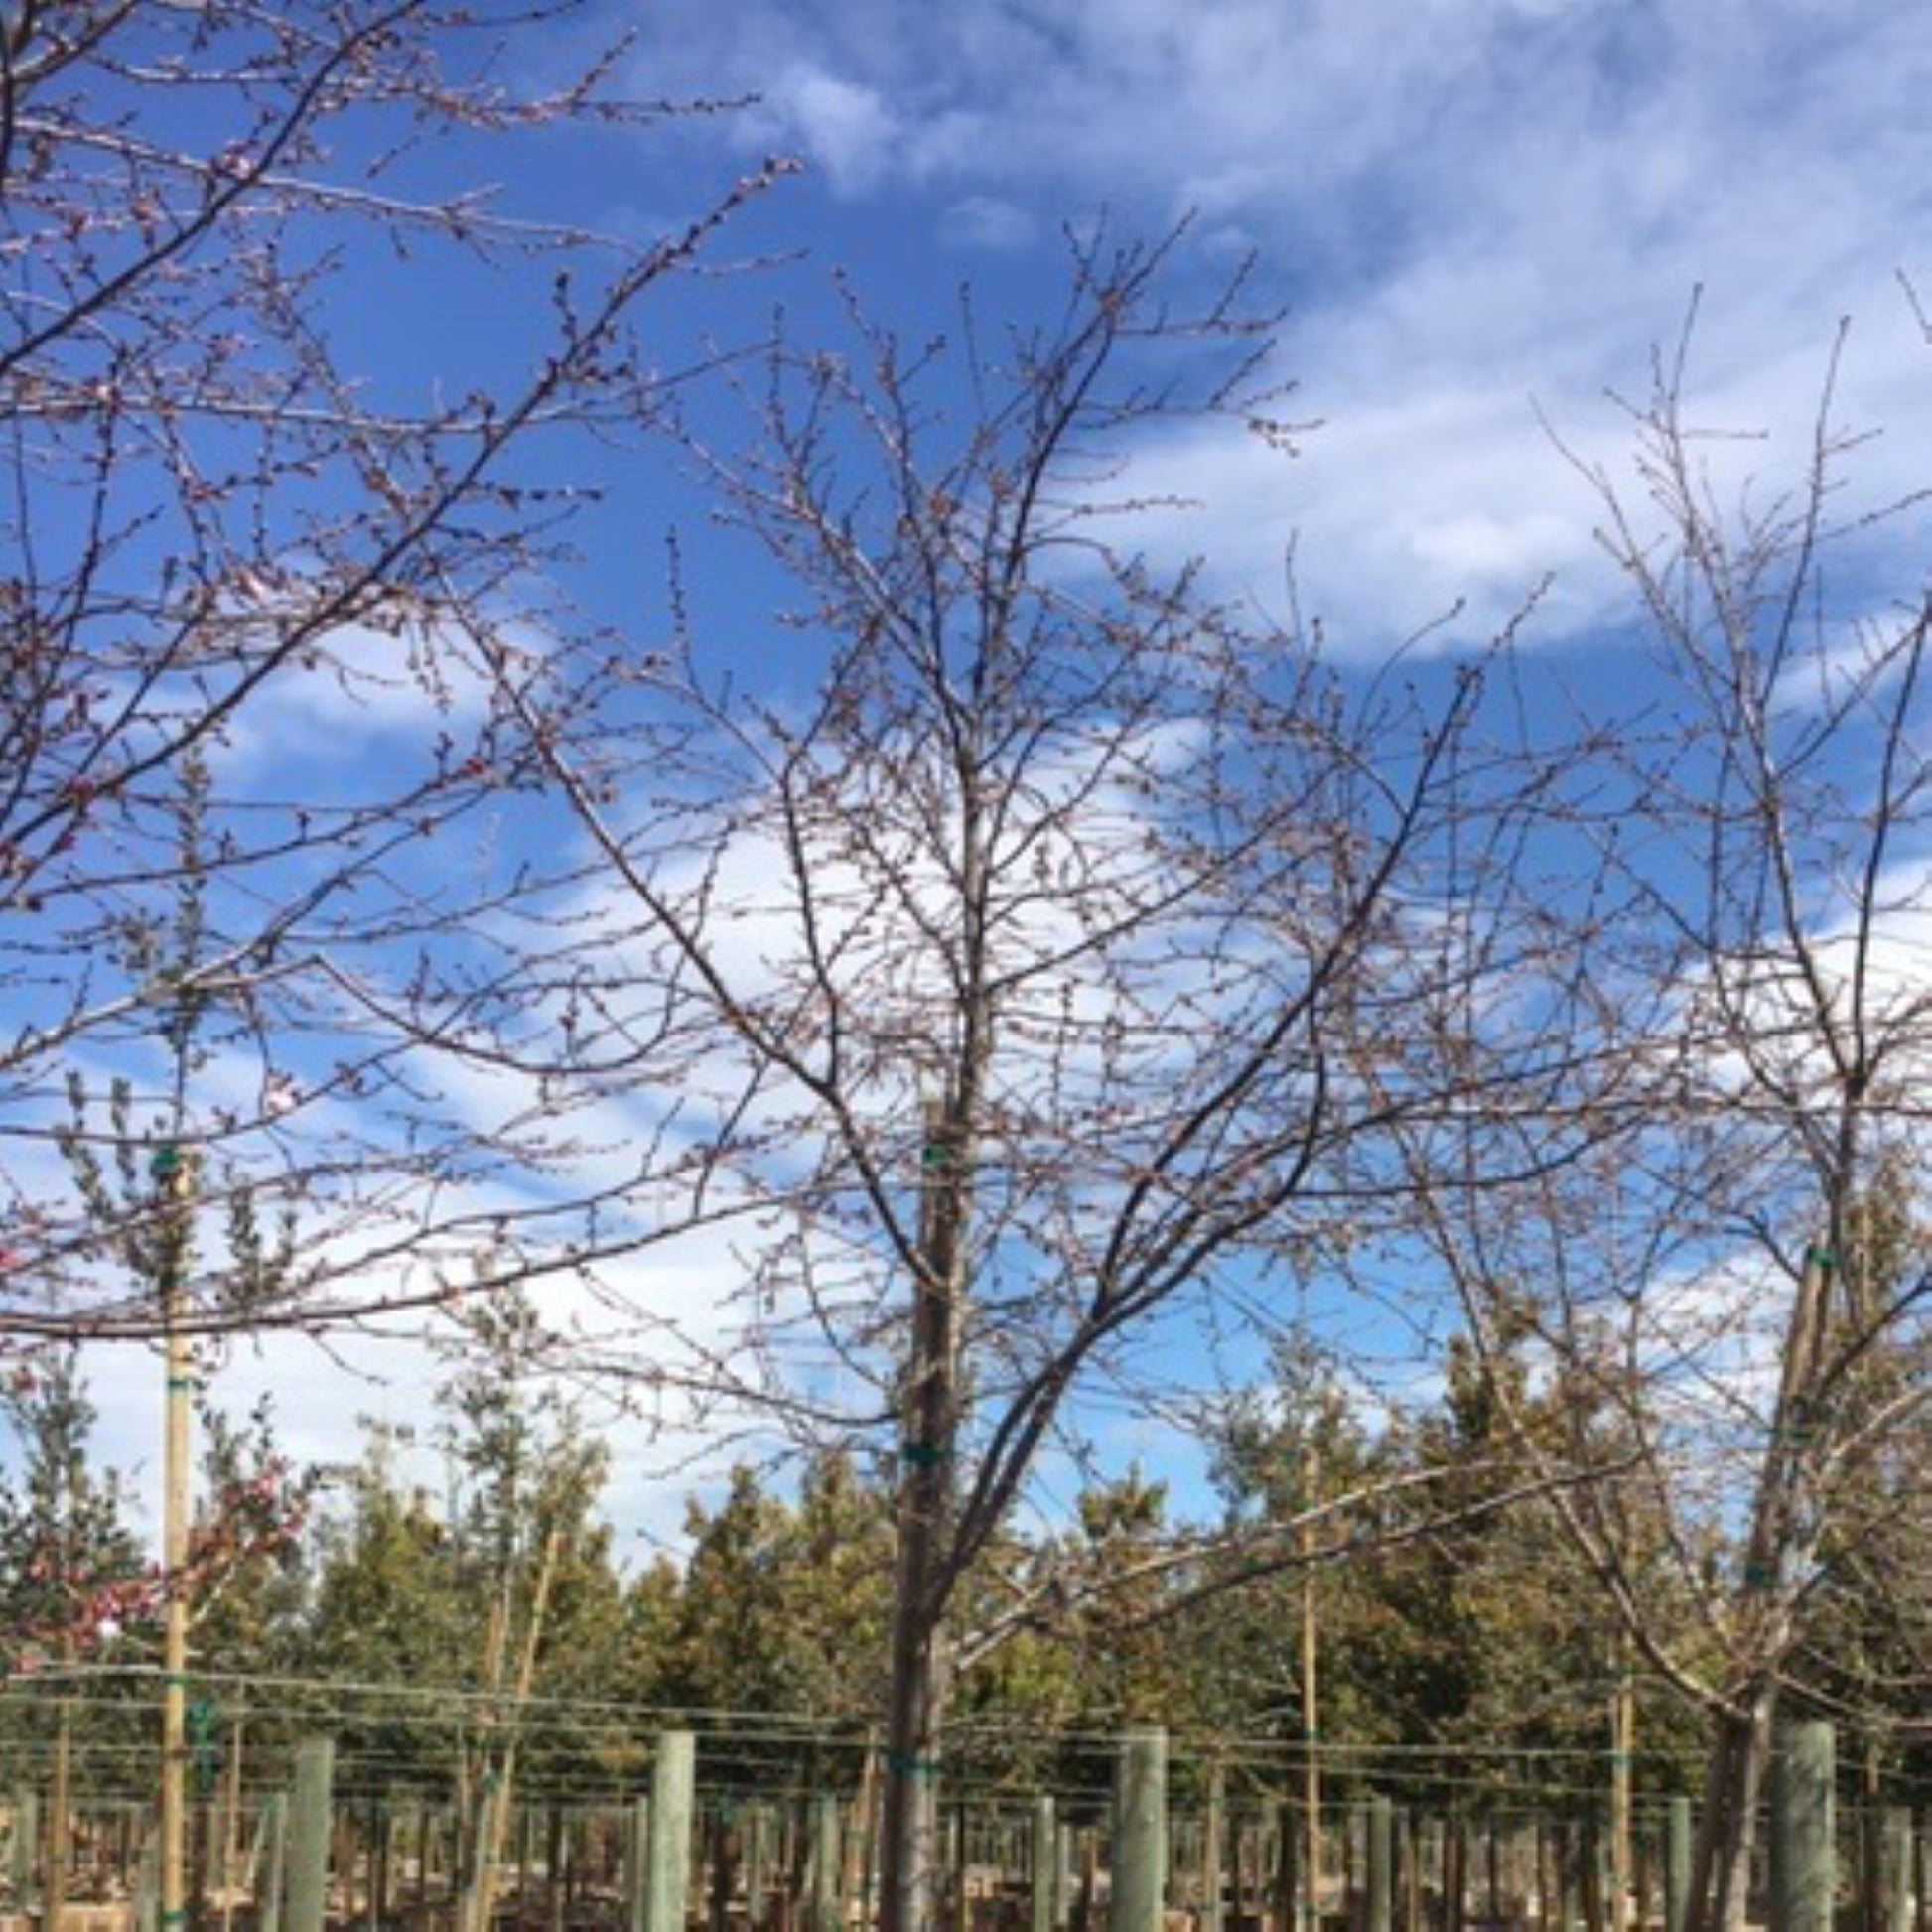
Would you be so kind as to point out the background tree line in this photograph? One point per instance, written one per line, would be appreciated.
(393, 1599)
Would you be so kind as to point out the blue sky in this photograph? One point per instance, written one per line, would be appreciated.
(1480, 216)
(1471, 209)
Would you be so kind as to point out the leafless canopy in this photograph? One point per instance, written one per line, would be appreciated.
(241, 742)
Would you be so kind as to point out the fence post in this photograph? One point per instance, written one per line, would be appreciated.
(822, 1894)
(309, 1822)
(636, 1864)
(1213, 1864)
(1570, 1874)
(757, 1855)
(1896, 1867)
(25, 1845)
(668, 1874)
(1287, 1874)
(1381, 1865)
(1140, 1875)
(1803, 1819)
(1677, 1865)
(475, 1907)
(1456, 1873)
(1044, 1889)
(274, 1872)
(147, 1886)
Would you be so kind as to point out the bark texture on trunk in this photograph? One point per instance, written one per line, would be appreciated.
(911, 1870)
(1733, 1784)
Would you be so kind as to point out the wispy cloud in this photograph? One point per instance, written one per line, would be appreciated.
(1481, 210)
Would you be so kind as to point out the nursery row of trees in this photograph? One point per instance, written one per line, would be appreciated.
(1365, 1576)
(422, 1567)
(1004, 979)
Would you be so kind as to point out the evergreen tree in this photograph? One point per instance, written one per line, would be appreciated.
(69, 1563)
(71, 1581)
(390, 1612)
(532, 1554)
(783, 1605)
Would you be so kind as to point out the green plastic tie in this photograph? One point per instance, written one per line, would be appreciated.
(920, 1456)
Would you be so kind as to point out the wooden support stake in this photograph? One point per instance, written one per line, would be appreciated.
(1310, 1647)
(175, 1176)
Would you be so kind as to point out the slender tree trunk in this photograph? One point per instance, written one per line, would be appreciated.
(231, 1828)
(1311, 1650)
(174, 1172)
(494, 1823)
(1740, 1752)
(910, 1867)
(54, 1880)
(1623, 1730)
(855, 1879)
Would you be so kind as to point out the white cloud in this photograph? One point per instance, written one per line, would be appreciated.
(1476, 206)
(989, 222)
(843, 125)
(352, 703)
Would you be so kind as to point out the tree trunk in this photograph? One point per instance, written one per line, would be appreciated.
(1734, 1783)
(910, 1869)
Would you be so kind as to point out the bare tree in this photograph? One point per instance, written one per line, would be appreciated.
(229, 535)
(1015, 960)
(1718, 1246)
(228, 878)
